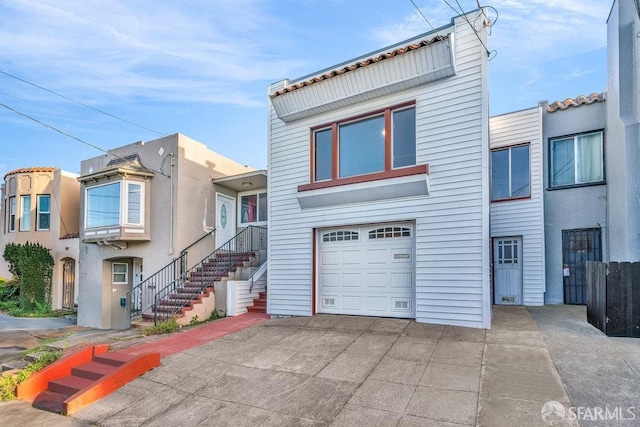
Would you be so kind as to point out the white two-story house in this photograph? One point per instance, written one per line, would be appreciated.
(379, 183)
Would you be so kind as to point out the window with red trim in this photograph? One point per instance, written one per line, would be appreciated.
(376, 143)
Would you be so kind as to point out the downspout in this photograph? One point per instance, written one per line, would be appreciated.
(171, 203)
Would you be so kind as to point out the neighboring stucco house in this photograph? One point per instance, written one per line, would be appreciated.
(379, 184)
(517, 220)
(143, 204)
(575, 197)
(41, 204)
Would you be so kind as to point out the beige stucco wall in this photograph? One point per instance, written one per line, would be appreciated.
(173, 223)
(64, 190)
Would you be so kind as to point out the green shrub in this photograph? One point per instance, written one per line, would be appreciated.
(32, 265)
(9, 382)
(215, 315)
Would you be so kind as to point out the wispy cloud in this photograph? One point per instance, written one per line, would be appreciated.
(145, 49)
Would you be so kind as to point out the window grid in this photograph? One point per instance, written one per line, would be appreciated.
(389, 232)
(120, 273)
(339, 236)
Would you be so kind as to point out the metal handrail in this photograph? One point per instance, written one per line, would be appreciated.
(178, 294)
(141, 297)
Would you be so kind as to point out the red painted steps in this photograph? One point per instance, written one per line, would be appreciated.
(259, 304)
(81, 378)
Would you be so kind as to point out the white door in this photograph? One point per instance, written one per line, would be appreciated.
(225, 219)
(367, 270)
(507, 262)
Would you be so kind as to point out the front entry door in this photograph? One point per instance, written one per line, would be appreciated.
(578, 247)
(225, 219)
(507, 261)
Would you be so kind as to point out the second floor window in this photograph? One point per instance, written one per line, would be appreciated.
(576, 160)
(510, 178)
(118, 203)
(44, 212)
(12, 214)
(25, 213)
(379, 142)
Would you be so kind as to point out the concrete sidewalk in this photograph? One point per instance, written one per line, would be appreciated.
(348, 371)
(599, 372)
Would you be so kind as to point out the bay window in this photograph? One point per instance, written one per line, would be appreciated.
(117, 203)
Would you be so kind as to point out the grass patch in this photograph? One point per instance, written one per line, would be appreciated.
(9, 382)
(165, 327)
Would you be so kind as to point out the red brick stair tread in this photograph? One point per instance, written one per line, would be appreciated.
(93, 370)
(69, 385)
(50, 401)
(114, 359)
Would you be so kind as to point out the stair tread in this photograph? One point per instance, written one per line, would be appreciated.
(93, 370)
(50, 401)
(69, 385)
(115, 359)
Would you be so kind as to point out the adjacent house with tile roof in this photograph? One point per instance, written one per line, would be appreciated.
(379, 184)
(41, 204)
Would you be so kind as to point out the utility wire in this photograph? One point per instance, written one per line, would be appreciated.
(72, 136)
(81, 103)
(425, 18)
(462, 15)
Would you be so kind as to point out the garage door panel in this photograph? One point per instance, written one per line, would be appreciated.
(401, 280)
(367, 270)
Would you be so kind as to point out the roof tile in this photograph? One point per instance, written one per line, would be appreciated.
(577, 102)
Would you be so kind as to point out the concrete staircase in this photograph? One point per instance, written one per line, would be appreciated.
(200, 284)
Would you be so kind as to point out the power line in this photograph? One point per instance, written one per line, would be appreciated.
(425, 18)
(72, 136)
(462, 15)
(81, 103)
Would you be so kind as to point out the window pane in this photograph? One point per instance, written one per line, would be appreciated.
(362, 147)
(590, 158)
(262, 207)
(404, 138)
(248, 208)
(103, 205)
(499, 174)
(520, 171)
(562, 163)
(44, 212)
(323, 154)
(44, 203)
(25, 213)
(134, 204)
(12, 215)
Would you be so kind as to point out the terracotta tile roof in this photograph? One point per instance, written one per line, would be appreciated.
(570, 102)
(31, 170)
(70, 236)
(359, 64)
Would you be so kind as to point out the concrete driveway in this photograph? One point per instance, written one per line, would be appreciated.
(9, 323)
(348, 371)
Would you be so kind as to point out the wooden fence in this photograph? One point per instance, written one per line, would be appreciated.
(613, 303)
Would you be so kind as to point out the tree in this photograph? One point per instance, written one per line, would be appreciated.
(32, 264)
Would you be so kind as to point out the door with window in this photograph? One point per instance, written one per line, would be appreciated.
(120, 285)
(225, 219)
(507, 262)
(578, 247)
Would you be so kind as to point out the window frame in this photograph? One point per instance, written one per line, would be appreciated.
(574, 136)
(258, 193)
(12, 214)
(123, 216)
(24, 215)
(113, 273)
(40, 212)
(388, 172)
(510, 198)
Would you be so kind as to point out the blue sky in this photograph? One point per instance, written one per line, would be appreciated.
(202, 68)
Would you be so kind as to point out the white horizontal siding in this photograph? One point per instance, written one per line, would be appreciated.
(451, 224)
(523, 217)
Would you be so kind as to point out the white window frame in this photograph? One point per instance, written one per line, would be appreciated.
(12, 214)
(509, 148)
(239, 208)
(125, 272)
(21, 227)
(124, 203)
(40, 212)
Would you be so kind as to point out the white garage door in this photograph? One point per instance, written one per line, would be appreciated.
(367, 270)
